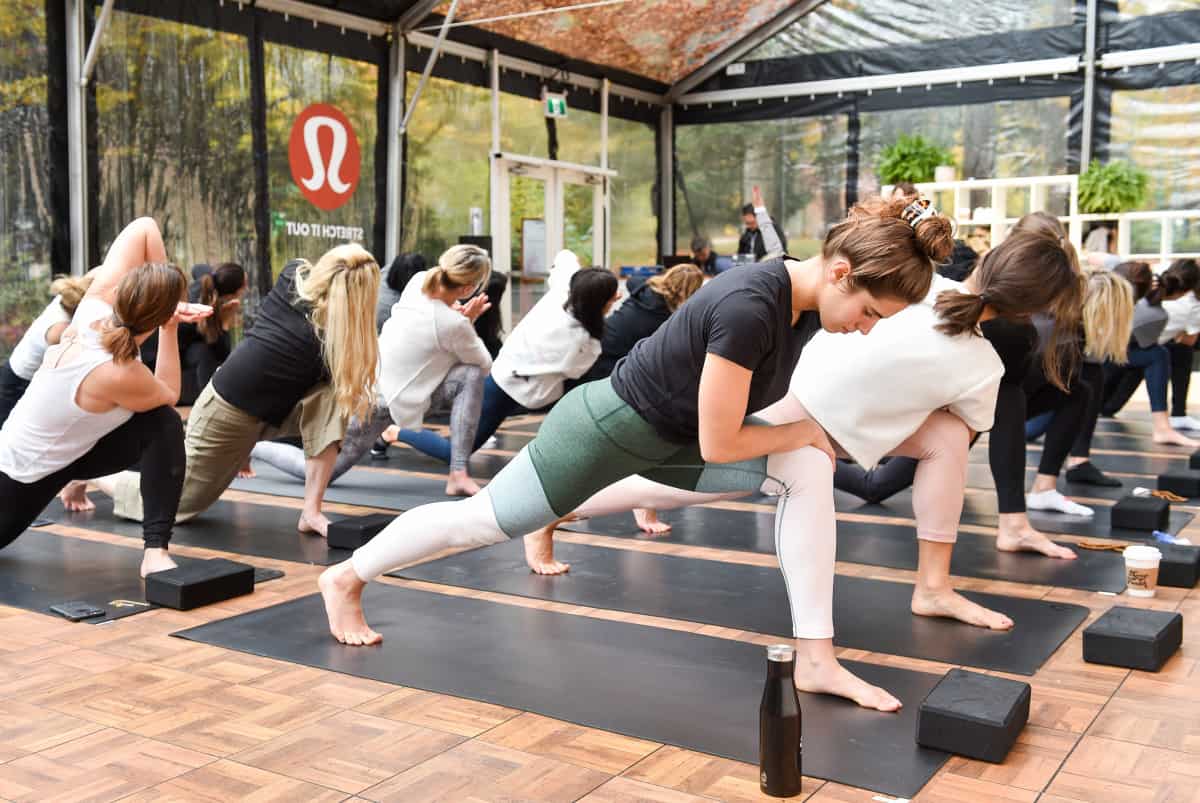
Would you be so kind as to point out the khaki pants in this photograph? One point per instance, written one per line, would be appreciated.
(218, 443)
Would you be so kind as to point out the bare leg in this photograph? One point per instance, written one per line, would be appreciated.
(818, 671)
(934, 596)
(1165, 433)
(647, 520)
(74, 496)
(1016, 534)
(317, 473)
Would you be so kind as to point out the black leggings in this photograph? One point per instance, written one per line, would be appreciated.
(1091, 381)
(874, 485)
(155, 438)
(12, 388)
(1181, 377)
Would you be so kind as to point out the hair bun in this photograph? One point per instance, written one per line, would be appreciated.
(935, 236)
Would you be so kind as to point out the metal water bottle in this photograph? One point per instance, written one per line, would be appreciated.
(779, 746)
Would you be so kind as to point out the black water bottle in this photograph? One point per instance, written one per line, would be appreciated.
(779, 760)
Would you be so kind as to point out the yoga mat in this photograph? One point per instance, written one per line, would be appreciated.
(979, 475)
(41, 569)
(1132, 442)
(980, 509)
(696, 692)
(242, 528)
(481, 466)
(873, 544)
(1121, 463)
(868, 614)
(356, 487)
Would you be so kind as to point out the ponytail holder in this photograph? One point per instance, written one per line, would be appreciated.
(983, 299)
(120, 325)
(918, 211)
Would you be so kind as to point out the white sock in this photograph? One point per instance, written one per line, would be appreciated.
(1053, 500)
(1184, 422)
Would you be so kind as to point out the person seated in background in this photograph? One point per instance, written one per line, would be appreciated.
(703, 256)
(1180, 336)
(980, 239)
(751, 241)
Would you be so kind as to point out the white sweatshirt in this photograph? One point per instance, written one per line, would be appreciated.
(545, 349)
(871, 392)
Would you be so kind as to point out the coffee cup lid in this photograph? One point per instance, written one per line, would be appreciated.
(1140, 552)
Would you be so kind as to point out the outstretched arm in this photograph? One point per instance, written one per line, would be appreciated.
(138, 243)
(771, 240)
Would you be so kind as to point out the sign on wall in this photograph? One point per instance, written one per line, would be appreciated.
(324, 156)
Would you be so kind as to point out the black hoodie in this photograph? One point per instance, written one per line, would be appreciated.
(640, 316)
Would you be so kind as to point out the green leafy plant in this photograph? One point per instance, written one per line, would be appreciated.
(1118, 186)
(911, 158)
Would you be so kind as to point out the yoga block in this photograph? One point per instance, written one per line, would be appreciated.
(353, 532)
(1141, 513)
(1194, 460)
(973, 715)
(1180, 565)
(198, 583)
(1184, 482)
(1133, 638)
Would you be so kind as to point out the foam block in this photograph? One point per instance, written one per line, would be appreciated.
(974, 715)
(1194, 460)
(353, 532)
(1185, 482)
(1141, 513)
(1180, 565)
(198, 583)
(1133, 638)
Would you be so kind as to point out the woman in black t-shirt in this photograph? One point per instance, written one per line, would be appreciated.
(675, 411)
(305, 368)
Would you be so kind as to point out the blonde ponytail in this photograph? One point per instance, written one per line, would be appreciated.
(71, 289)
(460, 266)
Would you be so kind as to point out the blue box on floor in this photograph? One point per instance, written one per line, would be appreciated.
(974, 715)
(1141, 513)
(353, 532)
(1133, 638)
(198, 583)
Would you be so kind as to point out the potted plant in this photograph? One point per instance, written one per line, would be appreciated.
(1112, 188)
(912, 158)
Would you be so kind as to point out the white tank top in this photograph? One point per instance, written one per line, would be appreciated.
(47, 429)
(26, 358)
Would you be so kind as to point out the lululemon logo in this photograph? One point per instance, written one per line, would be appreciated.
(324, 157)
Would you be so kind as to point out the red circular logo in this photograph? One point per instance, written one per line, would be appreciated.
(324, 157)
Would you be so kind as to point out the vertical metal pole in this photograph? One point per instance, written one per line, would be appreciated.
(666, 182)
(494, 64)
(604, 85)
(600, 225)
(77, 135)
(395, 151)
(1089, 86)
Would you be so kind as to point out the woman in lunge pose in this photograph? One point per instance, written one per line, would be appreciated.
(430, 357)
(94, 409)
(675, 410)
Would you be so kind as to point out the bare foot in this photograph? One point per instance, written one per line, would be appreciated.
(647, 520)
(389, 435)
(949, 604)
(1170, 436)
(342, 592)
(835, 679)
(246, 472)
(156, 560)
(313, 523)
(1028, 539)
(74, 496)
(539, 552)
(459, 483)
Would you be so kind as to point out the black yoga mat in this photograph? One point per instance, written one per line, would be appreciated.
(356, 487)
(41, 569)
(238, 527)
(481, 467)
(874, 544)
(979, 475)
(693, 691)
(980, 509)
(1130, 442)
(868, 614)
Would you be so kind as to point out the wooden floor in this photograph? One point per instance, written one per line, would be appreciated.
(125, 712)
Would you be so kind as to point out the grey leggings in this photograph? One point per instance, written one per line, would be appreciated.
(461, 392)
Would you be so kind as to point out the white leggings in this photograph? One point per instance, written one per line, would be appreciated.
(805, 530)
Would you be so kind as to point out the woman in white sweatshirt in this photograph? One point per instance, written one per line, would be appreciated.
(554, 342)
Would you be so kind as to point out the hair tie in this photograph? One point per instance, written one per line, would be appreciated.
(918, 211)
(983, 299)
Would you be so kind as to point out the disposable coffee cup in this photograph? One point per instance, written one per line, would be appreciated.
(1141, 570)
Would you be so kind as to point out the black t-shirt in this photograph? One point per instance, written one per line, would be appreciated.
(278, 361)
(744, 316)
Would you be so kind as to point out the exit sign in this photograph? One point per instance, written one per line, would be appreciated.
(556, 104)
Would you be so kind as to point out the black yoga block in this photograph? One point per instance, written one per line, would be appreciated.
(973, 715)
(198, 583)
(1194, 460)
(1133, 638)
(1141, 513)
(1180, 565)
(353, 532)
(1182, 482)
